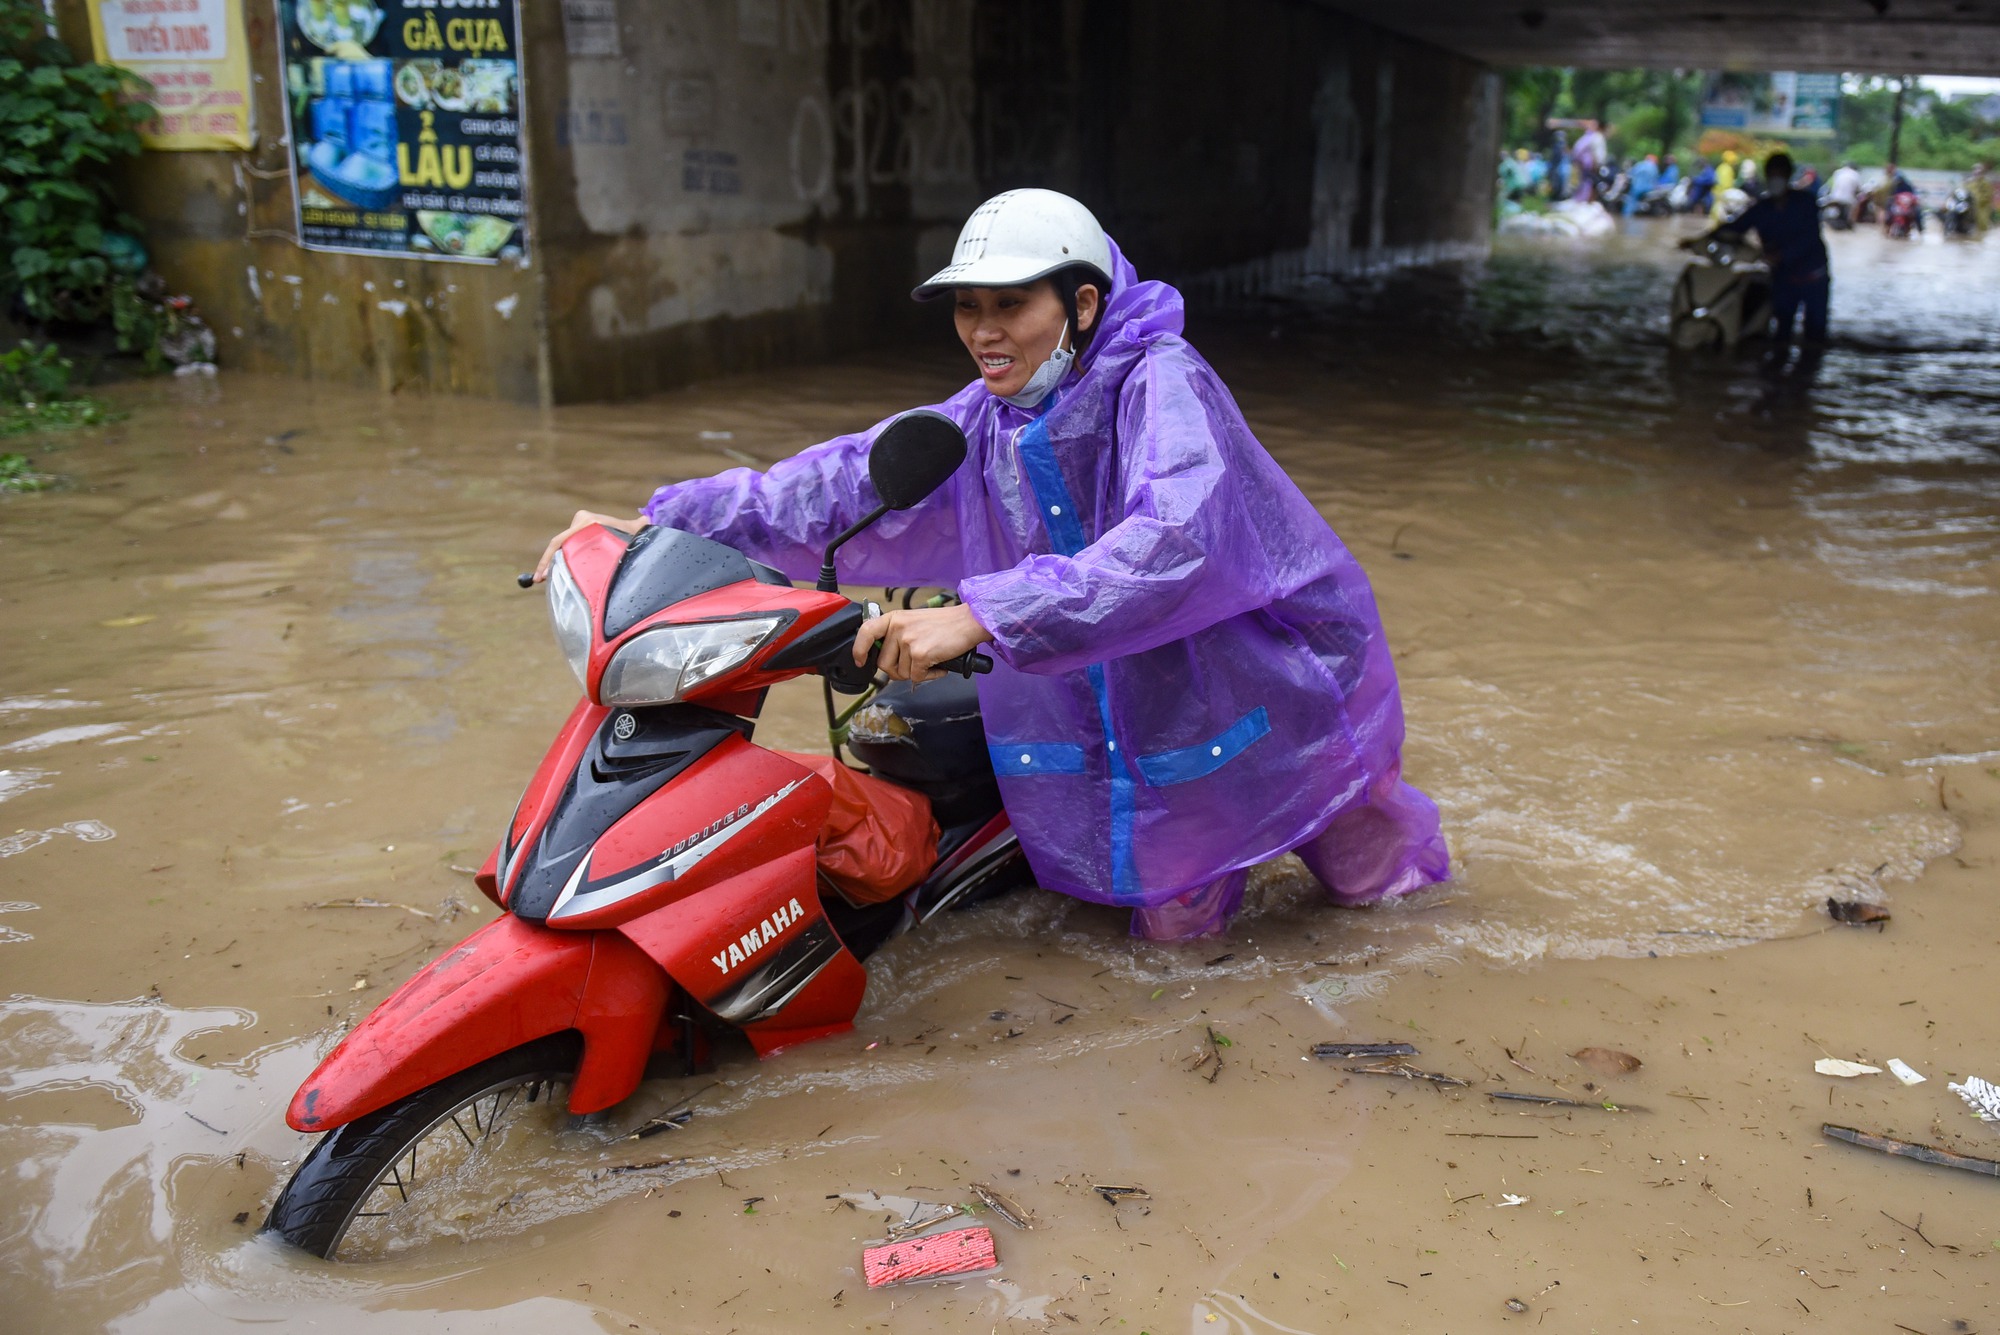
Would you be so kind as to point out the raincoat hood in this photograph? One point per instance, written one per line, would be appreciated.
(1191, 677)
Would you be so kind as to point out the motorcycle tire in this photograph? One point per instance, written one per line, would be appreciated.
(326, 1193)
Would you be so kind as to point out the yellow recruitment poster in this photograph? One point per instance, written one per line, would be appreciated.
(194, 54)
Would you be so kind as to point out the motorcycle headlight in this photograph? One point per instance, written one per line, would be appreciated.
(661, 665)
(569, 610)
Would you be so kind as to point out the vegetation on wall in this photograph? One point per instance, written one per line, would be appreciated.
(63, 124)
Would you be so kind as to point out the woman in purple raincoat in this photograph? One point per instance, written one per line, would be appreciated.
(1192, 677)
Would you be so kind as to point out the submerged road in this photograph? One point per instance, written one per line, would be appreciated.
(1688, 646)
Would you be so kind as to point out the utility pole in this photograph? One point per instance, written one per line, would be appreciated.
(1896, 120)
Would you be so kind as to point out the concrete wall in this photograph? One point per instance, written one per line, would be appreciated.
(723, 184)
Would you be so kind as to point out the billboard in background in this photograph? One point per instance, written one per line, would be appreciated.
(405, 122)
(1775, 106)
(194, 55)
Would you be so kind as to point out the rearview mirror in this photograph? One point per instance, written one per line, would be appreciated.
(910, 459)
(914, 456)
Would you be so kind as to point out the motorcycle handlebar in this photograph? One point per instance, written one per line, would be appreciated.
(966, 664)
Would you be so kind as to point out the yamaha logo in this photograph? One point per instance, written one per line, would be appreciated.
(624, 727)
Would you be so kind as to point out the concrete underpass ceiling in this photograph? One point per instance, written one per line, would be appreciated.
(1850, 36)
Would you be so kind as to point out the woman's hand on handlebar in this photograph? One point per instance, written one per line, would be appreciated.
(915, 639)
(584, 519)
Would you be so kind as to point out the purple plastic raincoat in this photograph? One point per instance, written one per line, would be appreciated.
(1192, 676)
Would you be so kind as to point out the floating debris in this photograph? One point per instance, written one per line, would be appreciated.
(365, 903)
(1355, 1051)
(1906, 1149)
(923, 1216)
(1857, 912)
(1843, 1068)
(1554, 1101)
(965, 1251)
(670, 1122)
(1003, 1206)
(1607, 1061)
(644, 1167)
(1113, 1193)
(1906, 1073)
(1404, 1072)
(1982, 1096)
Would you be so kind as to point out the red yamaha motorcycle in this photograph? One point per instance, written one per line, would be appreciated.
(658, 875)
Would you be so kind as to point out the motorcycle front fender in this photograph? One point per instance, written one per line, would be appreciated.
(507, 984)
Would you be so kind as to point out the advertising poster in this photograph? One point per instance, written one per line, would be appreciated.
(194, 54)
(1780, 106)
(405, 122)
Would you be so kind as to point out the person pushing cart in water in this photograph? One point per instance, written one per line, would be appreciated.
(1787, 223)
(1192, 677)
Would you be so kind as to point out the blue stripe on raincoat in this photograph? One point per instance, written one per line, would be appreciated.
(1059, 516)
(1014, 758)
(1205, 758)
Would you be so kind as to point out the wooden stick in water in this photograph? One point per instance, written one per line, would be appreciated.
(1355, 1051)
(1906, 1149)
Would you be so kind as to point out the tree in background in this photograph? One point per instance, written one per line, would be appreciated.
(1649, 111)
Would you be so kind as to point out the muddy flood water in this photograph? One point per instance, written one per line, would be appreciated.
(1687, 648)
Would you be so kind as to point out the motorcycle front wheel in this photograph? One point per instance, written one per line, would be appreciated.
(383, 1180)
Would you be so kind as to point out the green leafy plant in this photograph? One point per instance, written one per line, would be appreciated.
(63, 123)
(35, 395)
(17, 473)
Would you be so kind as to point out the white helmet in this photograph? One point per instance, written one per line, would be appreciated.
(1021, 235)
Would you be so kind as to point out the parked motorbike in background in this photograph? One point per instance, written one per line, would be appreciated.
(1956, 215)
(658, 880)
(1657, 202)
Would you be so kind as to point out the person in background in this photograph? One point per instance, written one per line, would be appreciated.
(1808, 181)
(1537, 170)
(1844, 188)
(1670, 172)
(1747, 179)
(1514, 178)
(1701, 186)
(1786, 221)
(1979, 185)
(1590, 154)
(1558, 161)
(1725, 171)
(1645, 178)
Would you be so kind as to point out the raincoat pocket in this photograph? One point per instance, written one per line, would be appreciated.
(1030, 758)
(1194, 762)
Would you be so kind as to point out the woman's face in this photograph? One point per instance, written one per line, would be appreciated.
(1010, 331)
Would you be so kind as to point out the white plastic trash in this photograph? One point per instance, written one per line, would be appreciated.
(1903, 1071)
(1843, 1068)
(1982, 1096)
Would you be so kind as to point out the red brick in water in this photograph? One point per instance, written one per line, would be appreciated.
(961, 1252)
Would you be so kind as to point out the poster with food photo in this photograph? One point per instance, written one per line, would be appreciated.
(405, 123)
